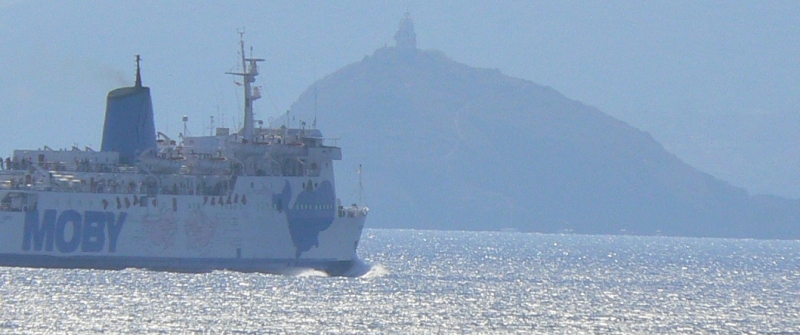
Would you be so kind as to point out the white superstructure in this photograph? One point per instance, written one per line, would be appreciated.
(253, 200)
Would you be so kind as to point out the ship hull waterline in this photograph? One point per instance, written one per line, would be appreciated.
(263, 230)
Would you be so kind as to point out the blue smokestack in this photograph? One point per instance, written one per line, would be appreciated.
(129, 127)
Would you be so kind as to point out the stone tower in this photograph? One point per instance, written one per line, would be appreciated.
(405, 37)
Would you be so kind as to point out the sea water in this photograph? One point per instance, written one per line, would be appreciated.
(435, 282)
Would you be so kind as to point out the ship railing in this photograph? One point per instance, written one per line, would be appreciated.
(11, 179)
(79, 165)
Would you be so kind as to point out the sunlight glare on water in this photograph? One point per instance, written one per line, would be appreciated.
(440, 282)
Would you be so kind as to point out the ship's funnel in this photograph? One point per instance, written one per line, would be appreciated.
(129, 127)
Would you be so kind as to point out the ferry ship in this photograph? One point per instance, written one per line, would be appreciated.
(254, 200)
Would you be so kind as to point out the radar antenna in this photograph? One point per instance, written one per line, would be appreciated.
(248, 74)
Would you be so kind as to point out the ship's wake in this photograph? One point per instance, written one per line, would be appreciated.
(376, 271)
(303, 272)
(360, 269)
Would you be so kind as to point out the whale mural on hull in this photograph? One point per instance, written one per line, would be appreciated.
(312, 212)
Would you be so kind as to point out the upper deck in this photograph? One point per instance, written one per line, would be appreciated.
(196, 165)
(135, 159)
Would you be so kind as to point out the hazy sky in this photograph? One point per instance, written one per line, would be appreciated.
(645, 62)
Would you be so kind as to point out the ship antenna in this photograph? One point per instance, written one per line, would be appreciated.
(138, 72)
(185, 128)
(249, 74)
(314, 124)
(360, 185)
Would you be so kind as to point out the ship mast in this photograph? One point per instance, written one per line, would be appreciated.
(249, 74)
(138, 72)
(360, 186)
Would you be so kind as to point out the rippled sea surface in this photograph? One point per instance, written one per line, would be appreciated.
(431, 282)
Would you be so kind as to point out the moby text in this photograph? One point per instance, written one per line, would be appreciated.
(71, 230)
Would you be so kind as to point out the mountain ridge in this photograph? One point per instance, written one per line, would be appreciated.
(458, 147)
